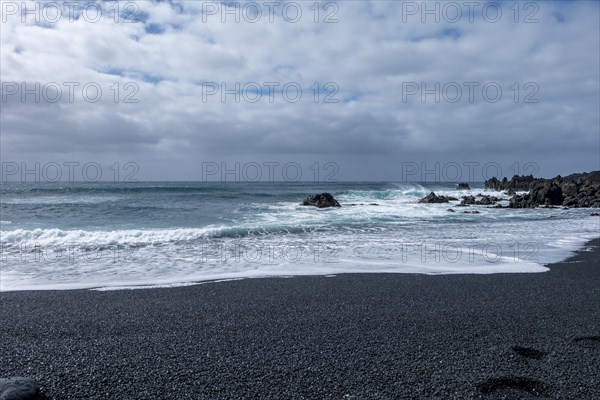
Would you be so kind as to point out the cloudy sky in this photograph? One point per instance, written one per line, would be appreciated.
(382, 90)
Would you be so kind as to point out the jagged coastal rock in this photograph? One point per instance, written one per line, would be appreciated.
(463, 186)
(322, 200)
(485, 200)
(576, 190)
(19, 388)
(516, 184)
(433, 198)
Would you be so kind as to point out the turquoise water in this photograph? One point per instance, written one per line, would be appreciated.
(87, 235)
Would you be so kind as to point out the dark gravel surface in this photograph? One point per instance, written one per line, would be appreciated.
(377, 336)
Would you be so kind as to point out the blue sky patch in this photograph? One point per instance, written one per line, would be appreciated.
(154, 29)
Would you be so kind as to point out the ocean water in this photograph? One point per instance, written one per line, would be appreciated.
(124, 235)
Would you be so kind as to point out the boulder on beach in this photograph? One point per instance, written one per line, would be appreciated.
(19, 388)
(322, 200)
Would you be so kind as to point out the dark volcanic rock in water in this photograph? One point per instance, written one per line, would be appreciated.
(576, 190)
(468, 200)
(433, 198)
(549, 194)
(463, 186)
(484, 200)
(487, 200)
(322, 200)
(19, 388)
(543, 194)
(517, 183)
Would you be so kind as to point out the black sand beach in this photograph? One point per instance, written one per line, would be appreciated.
(377, 336)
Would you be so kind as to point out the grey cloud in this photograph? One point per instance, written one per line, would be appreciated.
(369, 54)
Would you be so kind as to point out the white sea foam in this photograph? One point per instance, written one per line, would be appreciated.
(285, 239)
(58, 237)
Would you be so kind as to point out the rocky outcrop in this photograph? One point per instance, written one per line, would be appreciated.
(544, 194)
(432, 198)
(576, 190)
(484, 200)
(19, 389)
(322, 200)
(463, 186)
(516, 184)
